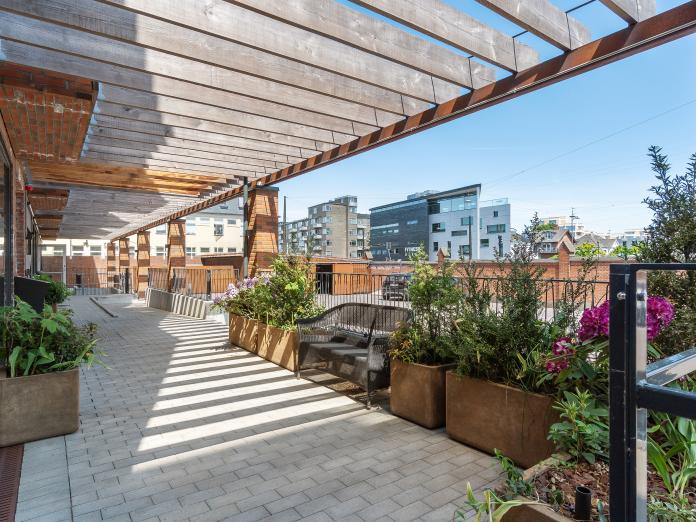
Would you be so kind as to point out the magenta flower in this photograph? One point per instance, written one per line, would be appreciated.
(563, 346)
(660, 315)
(594, 322)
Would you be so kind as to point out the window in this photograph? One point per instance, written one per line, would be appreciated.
(218, 250)
(58, 250)
(218, 221)
(78, 250)
(438, 227)
(190, 227)
(190, 251)
(326, 208)
(231, 221)
(465, 221)
(435, 246)
(495, 213)
(44, 249)
(353, 221)
(224, 207)
(327, 231)
(456, 233)
(464, 250)
(484, 242)
(328, 242)
(412, 222)
(232, 250)
(205, 250)
(159, 251)
(218, 229)
(329, 252)
(162, 229)
(354, 232)
(204, 220)
(494, 229)
(95, 250)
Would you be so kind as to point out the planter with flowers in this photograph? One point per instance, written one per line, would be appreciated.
(263, 311)
(40, 383)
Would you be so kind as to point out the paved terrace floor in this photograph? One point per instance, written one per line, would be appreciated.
(181, 426)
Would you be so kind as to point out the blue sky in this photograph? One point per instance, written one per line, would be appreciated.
(525, 149)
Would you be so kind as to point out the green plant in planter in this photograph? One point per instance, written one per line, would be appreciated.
(435, 300)
(57, 291)
(582, 432)
(39, 343)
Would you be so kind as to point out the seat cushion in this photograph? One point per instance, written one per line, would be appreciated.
(336, 351)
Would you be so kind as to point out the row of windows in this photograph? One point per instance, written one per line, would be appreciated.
(491, 229)
(455, 204)
(96, 250)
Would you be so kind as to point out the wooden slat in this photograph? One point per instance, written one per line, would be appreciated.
(632, 10)
(57, 61)
(195, 155)
(183, 160)
(187, 122)
(451, 26)
(119, 134)
(543, 19)
(243, 26)
(366, 32)
(37, 32)
(115, 22)
(200, 109)
(113, 183)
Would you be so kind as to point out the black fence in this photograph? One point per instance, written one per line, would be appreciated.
(636, 387)
(334, 289)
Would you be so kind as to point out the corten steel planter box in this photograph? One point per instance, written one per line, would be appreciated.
(418, 393)
(39, 406)
(243, 332)
(277, 346)
(491, 416)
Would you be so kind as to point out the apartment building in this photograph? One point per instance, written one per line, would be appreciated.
(215, 230)
(571, 224)
(334, 228)
(456, 221)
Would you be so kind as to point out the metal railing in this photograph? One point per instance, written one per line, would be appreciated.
(337, 288)
(635, 387)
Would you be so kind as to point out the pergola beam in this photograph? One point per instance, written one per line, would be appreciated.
(632, 10)
(453, 27)
(544, 19)
(658, 30)
(375, 36)
(107, 50)
(148, 32)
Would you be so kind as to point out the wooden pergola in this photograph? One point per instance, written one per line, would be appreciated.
(127, 114)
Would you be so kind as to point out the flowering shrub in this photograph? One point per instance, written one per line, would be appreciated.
(583, 360)
(242, 298)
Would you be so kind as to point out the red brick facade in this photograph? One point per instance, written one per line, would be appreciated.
(143, 258)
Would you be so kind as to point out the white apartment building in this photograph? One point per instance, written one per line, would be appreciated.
(217, 230)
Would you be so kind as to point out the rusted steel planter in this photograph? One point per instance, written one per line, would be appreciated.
(491, 416)
(244, 332)
(39, 406)
(277, 345)
(418, 393)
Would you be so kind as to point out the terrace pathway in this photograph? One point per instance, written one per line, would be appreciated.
(183, 427)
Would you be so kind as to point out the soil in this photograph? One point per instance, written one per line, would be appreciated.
(596, 478)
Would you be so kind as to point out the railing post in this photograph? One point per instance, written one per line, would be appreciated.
(126, 282)
(209, 283)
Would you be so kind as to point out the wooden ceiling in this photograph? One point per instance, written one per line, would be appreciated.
(195, 95)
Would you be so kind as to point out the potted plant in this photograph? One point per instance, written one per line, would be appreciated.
(57, 293)
(240, 301)
(40, 386)
(288, 294)
(421, 351)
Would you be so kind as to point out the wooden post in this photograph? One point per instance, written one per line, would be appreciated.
(111, 272)
(143, 257)
(263, 228)
(124, 264)
(176, 248)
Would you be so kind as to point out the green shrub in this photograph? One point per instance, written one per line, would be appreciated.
(435, 300)
(57, 291)
(46, 342)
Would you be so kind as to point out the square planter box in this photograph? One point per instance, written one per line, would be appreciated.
(418, 393)
(277, 346)
(487, 416)
(39, 406)
(243, 332)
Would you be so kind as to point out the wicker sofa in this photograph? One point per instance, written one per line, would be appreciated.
(350, 341)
